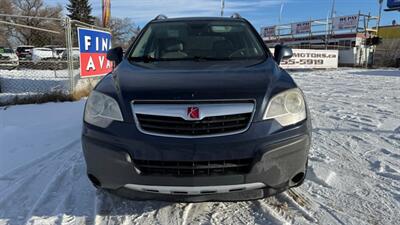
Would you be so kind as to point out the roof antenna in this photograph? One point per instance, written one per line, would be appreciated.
(161, 17)
(236, 16)
(222, 7)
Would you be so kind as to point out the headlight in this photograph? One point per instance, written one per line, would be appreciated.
(101, 110)
(287, 107)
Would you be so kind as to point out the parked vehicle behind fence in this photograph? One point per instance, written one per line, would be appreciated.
(57, 50)
(8, 58)
(39, 54)
(24, 51)
(75, 54)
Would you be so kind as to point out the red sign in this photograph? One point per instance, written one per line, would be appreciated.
(93, 47)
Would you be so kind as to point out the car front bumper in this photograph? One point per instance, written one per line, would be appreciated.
(9, 63)
(278, 156)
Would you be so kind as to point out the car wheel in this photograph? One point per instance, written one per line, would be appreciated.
(95, 182)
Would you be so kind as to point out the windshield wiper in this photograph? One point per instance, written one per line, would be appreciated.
(148, 59)
(196, 58)
(144, 58)
(203, 58)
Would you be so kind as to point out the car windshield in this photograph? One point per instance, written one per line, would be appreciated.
(197, 40)
(24, 49)
(6, 50)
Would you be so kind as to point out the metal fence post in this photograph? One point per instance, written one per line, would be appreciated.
(70, 62)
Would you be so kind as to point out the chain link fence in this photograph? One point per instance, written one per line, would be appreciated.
(40, 57)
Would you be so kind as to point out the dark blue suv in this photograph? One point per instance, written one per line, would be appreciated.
(197, 109)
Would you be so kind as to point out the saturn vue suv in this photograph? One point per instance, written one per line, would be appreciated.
(197, 109)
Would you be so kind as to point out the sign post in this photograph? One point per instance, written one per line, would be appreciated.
(106, 14)
(93, 47)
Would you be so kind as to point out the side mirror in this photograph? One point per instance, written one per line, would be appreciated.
(282, 52)
(115, 55)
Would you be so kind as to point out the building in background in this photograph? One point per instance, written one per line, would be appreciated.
(350, 35)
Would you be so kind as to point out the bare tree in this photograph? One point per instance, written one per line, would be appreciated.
(37, 8)
(387, 53)
(6, 7)
(123, 31)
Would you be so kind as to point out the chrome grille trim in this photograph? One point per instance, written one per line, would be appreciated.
(178, 109)
(207, 110)
(196, 190)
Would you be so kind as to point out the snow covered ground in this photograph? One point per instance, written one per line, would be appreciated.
(354, 170)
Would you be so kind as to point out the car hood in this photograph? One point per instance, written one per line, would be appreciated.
(194, 80)
(9, 55)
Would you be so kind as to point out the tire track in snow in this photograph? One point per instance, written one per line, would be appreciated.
(103, 207)
(23, 175)
(279, 210)
(60, 197)
(44, 195)
(186, 213)
(300, 203)
(41, 161)
(111, 209)
(57, 185)
(32, 180)
(96, 204)
(222, 214)
(288, 207)
(199, 213)
(247, 212)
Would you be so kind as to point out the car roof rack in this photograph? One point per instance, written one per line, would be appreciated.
(161, 17)
(236, 16)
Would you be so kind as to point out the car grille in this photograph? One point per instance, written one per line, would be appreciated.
(193, 168)
(208, 126)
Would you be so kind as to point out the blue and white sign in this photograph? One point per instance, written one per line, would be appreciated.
(93, 47)
(393, 4)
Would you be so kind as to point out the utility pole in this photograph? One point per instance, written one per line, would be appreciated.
(332, 15)
(366, 34)
(279, 21)
(326, 31)
(329, 27)
(222, 7)
(379, 17)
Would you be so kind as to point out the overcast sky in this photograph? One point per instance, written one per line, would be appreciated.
(258, 12)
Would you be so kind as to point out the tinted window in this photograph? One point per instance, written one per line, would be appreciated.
(24, 49)
(220, 40)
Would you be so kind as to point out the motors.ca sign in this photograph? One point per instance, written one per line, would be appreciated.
(93, 47)
(311, 59)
